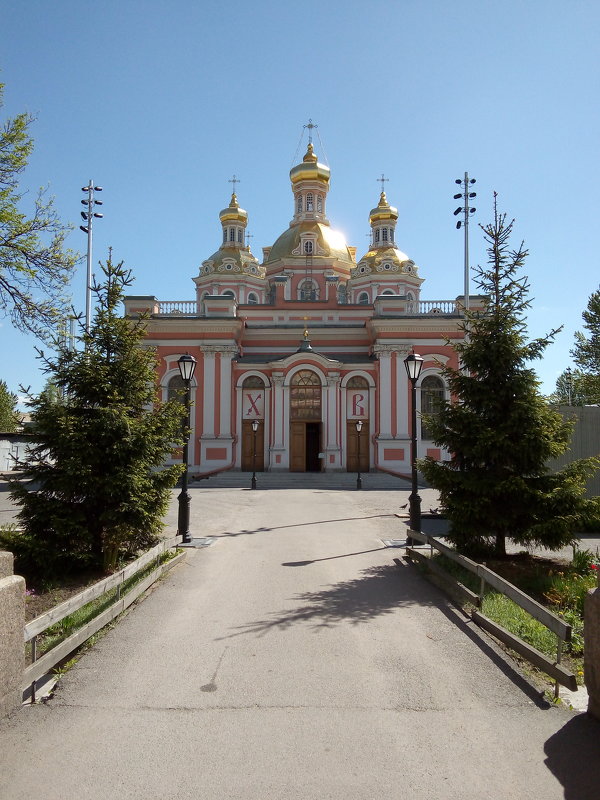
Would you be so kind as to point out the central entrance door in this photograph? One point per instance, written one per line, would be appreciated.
(305, 422)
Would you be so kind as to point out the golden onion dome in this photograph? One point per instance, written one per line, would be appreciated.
(383, 212)
(232, 261)
(330, 243)
(387, 260)
(310, 169)
(233, 212)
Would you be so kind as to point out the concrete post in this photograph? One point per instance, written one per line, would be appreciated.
(591, 657)
(12, 622)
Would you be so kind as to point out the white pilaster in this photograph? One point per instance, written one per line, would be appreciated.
(208, 395)
(385, 391)
(280, 425)
(227, 353)
(331, 444)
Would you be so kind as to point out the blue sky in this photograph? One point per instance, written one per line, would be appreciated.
(161, 102)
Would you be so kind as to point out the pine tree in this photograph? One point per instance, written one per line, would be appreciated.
(587, 350)
(498, 428)
(98, 485)
(9, 418)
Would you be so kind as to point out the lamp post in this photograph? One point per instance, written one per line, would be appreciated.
(254, 430)
(414, 363)
(358, 430)
(187, 366)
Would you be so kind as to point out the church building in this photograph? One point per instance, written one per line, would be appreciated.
(307, 342)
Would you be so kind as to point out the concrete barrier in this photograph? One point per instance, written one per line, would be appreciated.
(591, 658)
(12, 623)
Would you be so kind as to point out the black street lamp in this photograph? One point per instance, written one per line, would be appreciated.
(254, 430)
(358, 430)
(414, 363)
(187, 366)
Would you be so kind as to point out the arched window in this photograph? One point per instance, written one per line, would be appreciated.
(253, 382)
(232, 234)
(228, 293)
(342, 294)
(298, 203)
(224, 234)
(363, 299)
(252, 298)
(384, 234)
(240, 236)
(357, 382)
(308, 247)
(432, 397)
(309, 202)
(319, 204)
(377, 235)
(308, 291)
(305, 396)
(388, 291)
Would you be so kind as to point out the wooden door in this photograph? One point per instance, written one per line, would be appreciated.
(248, 464)
(352, 447)
(297, 447)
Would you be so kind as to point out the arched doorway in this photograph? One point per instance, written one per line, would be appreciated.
(253, 443)
(357, 408)
(305, 422)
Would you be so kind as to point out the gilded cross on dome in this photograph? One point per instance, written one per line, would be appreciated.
(234, 180)
(382, 180)
(311, 125)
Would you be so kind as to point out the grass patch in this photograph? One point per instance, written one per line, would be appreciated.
(561, 588)
(61, 630)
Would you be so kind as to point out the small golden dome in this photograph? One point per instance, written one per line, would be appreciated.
(233, 212)
(310, 169)
(383, 211)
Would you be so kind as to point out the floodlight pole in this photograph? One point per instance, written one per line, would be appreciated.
(88, 216)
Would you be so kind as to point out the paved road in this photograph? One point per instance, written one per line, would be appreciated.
(290, 660)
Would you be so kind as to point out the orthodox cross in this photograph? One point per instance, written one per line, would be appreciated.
(382, 181)
(248, 237)
(234, 180)
(310, 127)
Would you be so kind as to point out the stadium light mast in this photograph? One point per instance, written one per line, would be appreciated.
(88, 216)
(465, 183)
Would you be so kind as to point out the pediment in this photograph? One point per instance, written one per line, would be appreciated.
(306, 356)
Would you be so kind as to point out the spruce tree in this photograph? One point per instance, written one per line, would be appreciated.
(9, 417)
(498, 428)
(96, 487)
(587, 350)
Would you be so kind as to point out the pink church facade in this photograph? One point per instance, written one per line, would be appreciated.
(307, 341)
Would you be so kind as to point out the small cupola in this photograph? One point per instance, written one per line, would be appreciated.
(234, 221)
(383, 219)
(310, 184)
